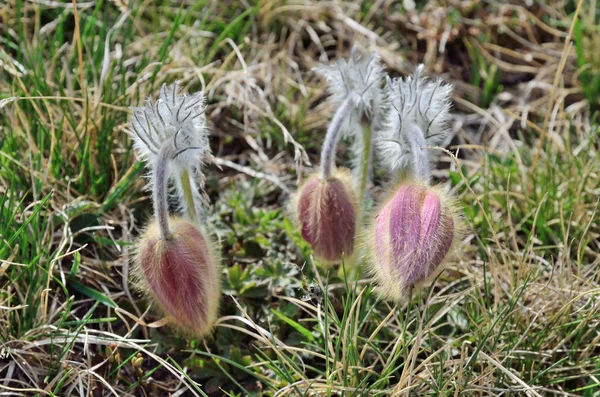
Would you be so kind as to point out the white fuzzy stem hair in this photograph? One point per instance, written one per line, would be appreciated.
(354, 84)
(418, 117)
(170, 135)
(333, 135)
(159, 191)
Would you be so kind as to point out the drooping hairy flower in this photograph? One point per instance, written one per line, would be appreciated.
(411, 236)
(327, 211)
(418, 117)
(175, 264)
(359, 74)
(181, 273)
(326, 206)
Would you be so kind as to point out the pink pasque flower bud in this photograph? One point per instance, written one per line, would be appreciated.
(181, 274)
(326, 210)
(412, 235)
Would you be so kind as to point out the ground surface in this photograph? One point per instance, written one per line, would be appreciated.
(516, 313)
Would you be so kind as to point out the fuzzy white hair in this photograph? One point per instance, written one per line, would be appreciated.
(173, 126)
(174, 119)
(356, 80)
(418, 117)
(358, 74)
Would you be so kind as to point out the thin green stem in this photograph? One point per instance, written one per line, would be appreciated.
(363, 176)
(188, 196)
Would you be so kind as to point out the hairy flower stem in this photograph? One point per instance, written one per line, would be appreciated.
(420, 158)
(188, 196)
(333, 135)
(159, 193)
(365, 160)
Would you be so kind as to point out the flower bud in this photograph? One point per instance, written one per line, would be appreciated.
(181, 274)
(326, 210)
(412, 235)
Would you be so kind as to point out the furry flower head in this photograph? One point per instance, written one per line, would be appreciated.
(174, 120)
(418, 117)
(360, 74)
(174, 262)
(415, 232)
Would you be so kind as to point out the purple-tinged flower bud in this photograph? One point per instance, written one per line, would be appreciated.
(326, 210)
(181, 274)
(411, 237)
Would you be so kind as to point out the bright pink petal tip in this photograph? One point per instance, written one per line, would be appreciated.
(413, 235)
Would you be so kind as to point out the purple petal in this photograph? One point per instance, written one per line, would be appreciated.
(412, 236)
(328, 218)
(182, 277)
(405, 227)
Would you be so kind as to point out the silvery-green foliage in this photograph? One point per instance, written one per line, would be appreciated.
(174, 120)
(360, 74)
(174, 123)
(417, 116)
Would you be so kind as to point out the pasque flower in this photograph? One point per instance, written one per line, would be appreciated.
(412, 234)
(327, 206)
(175, 263)
(418, 225)
(326, 209)
(181, 274)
